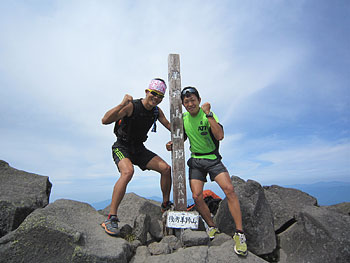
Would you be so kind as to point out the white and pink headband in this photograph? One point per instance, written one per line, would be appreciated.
(158, 86)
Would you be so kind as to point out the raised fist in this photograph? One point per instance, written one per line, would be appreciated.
(206, 107)
(127, 99)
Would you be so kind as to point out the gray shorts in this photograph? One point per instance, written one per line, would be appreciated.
(199, 168)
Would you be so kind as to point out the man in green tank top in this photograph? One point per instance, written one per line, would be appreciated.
(204, 132)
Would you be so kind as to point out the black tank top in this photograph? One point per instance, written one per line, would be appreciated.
(134, 129)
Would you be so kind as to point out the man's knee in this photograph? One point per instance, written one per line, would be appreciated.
(197, 197)
(165, 169)
(228, 189)
(127, 174)
(230, 192)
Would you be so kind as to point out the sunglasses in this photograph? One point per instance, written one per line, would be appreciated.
(154, 93)
(189, 90)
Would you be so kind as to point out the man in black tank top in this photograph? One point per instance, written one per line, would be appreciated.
(136, 117)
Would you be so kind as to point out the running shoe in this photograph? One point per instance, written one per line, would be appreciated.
(212, 231)
(167, 206)
(240, 244)
(111, 225)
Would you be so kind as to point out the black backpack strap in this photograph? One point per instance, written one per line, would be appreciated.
(117, 124)
(156, 114)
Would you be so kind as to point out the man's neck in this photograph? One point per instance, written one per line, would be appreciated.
(147, 106)
(195, 114)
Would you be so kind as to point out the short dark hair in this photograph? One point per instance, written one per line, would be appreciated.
(187, 91)
(162, 80)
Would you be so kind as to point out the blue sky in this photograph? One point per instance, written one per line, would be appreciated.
(276, 73)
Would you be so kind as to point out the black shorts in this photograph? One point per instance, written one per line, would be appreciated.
(138, 154)
(199, 168)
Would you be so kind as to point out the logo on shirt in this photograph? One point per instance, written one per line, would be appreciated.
(203, 129)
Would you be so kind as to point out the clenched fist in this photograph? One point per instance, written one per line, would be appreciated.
(206, 107)
(127, 99)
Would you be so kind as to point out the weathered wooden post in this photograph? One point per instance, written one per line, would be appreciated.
(177, 136)
(179, 219)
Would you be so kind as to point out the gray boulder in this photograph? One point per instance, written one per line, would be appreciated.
(141, 254)
(20, 194)
(159, 248)
(225, 253)
(64, 231)
(343, 208)
(173, 242)
(319, 235)
(140, 206)
(192, 254)
(286, 203)
(141, 227)
(204, 254)
(220, 239)
(194, 238)
(256, 215)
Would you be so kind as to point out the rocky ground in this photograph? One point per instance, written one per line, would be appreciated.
(281, 225)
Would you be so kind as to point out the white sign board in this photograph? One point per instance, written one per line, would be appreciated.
(181, 219)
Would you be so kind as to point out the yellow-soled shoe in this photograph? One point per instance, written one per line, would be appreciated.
(240, 244)
(212, 231)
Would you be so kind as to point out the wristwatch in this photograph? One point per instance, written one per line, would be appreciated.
(210, 114)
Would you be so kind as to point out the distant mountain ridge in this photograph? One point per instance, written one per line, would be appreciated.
(101, 205)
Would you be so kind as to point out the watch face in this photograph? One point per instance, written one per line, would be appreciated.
(210, 114)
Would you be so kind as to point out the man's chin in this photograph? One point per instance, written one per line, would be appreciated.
(155, 103)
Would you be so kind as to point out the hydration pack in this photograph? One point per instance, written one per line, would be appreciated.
(119, 123)
(211, 199)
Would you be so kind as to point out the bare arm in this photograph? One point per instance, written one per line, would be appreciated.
(163, 120)
(125, 108)
(215, 127)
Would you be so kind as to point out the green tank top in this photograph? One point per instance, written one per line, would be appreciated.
(198, 132)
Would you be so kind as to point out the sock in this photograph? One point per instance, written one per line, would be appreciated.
(110, 215)
(239, 231)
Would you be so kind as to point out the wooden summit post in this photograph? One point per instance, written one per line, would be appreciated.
(177, 133)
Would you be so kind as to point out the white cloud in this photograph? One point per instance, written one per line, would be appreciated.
(64, 64)
(276, 161)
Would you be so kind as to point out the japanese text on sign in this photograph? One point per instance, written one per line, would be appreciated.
(178, 219)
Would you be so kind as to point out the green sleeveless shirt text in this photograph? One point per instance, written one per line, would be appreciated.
(197, 131)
